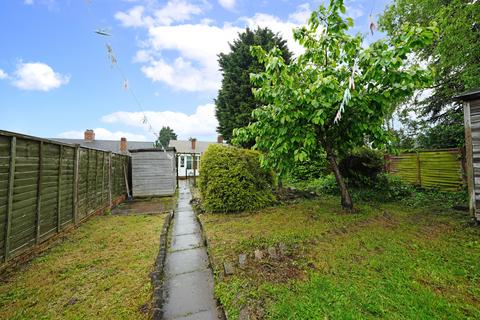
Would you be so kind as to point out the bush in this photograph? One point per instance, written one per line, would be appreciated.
(386, 188)
(362, 166)
(310, 169)
(232, 180)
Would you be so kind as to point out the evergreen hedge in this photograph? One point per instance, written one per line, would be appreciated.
(232, 180)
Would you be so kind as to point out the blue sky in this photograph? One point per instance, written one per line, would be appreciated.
(56, 79)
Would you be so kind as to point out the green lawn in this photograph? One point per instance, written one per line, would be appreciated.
(99, 271)
(386, 261)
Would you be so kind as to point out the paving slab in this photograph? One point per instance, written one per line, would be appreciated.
(189, 293)
(186, 241)
(186, 261)
(187, 227)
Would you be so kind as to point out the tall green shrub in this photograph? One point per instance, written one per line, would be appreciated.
(233, 181)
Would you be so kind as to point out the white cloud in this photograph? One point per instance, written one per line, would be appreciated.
(28, 2)
(181, 75)
(227, 4)
(195, 68)
(134, 17)
(176, 11)
(38, 76)
(173, 11)
(354, 12)
(3, 74)
(104, 134)
(301, 15)
(201, 124)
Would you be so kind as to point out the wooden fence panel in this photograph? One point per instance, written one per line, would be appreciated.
(440, 169)
(4, 170)
(405, 166)
(24, 208)
(49, 190)
(46, 186)
(66, 201)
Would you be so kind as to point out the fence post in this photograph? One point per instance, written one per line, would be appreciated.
(110, 179)
(103, 179)
(419, 170)
(11, 178)
(39, 192)
(76, 164)
(96, 179)
(386, 161)
(59, 190)
(87, 188)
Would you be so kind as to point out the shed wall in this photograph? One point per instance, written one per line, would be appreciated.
(153, 173)
(475, 134)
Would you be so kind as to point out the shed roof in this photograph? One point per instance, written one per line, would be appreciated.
(469, 95)
(185, 146)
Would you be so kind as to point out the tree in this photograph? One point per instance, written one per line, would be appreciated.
(235, 101)
(456, 54)
(333, 97)
(419, 133)
(165, 135)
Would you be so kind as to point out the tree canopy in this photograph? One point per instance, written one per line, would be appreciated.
(333, 97)
(165, 135)
(455, 55)
(235, 101)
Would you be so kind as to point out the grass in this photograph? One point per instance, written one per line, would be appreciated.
(385, 261)
(101, 270)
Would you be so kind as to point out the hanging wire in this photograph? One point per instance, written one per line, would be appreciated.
(114, 64)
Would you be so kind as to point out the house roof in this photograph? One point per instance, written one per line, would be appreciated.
(469, 95)
(152, 150)
(107, 145)
(185, 146)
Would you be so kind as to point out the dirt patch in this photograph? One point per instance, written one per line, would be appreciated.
(280, 270)
(145, 206)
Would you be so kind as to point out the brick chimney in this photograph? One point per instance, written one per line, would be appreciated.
(194, 143)
(123, 145)
(89, 135)
(219, 138)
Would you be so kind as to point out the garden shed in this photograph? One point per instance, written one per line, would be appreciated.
(471, 107)
(153, 172)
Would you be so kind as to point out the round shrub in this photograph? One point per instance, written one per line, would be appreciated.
(232, 180)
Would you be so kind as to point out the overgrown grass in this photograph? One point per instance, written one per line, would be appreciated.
(100, 271)
(386, 261)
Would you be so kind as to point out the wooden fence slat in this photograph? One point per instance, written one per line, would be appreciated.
(11, 178)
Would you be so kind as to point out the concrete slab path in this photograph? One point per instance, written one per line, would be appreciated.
(188, 284)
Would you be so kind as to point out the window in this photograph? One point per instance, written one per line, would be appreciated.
(189, 162)
(182, 161)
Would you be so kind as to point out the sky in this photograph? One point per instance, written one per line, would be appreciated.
(58, 77)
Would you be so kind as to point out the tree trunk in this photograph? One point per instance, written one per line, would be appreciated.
(347, 203)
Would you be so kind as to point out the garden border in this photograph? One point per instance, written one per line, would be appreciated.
(210, 265)
(157, 275)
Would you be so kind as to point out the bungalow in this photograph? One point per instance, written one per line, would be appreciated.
(117, 146)
(189, 153)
